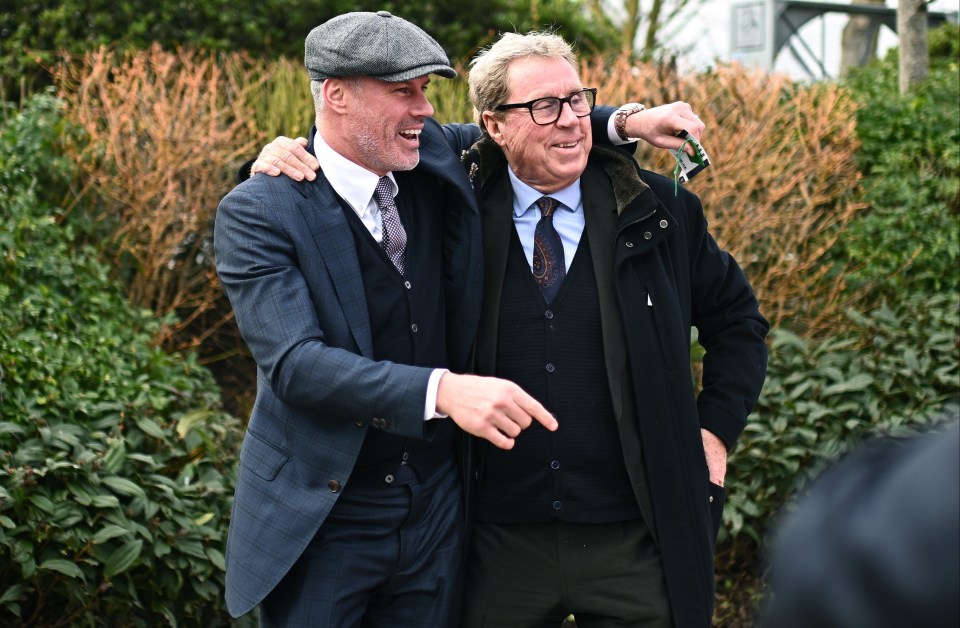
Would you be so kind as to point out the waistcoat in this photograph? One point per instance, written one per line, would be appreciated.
(407, 323)
(555, 353)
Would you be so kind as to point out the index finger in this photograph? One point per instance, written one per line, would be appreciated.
(693, 125)
(536, 410)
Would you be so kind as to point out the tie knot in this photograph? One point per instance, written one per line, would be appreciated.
(383, 193)
(547, 206)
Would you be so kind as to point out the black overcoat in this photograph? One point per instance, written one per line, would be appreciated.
(659, 273)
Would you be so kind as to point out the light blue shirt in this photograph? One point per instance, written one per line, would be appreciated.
(568, 218)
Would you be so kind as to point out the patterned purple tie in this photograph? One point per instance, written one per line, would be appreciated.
(394, 240)
(548, 265)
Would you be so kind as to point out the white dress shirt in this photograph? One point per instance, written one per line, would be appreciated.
(355, 184)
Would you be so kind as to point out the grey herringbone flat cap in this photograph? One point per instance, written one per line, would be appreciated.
(379, 45)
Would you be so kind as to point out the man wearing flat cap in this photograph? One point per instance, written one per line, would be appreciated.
(355, 293)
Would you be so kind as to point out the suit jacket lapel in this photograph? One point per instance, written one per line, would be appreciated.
(496, 209)
(322, 212)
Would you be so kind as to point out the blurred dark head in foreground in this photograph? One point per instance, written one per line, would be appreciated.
(876, 542)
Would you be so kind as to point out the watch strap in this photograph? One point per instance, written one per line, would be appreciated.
(620, 119)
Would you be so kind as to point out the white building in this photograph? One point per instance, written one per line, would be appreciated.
(749, 30)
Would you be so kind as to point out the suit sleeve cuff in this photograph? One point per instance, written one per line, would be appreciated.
(724, 425)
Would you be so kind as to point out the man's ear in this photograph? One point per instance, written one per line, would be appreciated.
(493, 126)
(336, 95)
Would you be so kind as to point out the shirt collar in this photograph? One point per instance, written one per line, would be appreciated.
(354, 183)
(525, 196)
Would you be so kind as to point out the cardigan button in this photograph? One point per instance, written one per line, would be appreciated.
(663, 224)
(628, 244)
(647, 235)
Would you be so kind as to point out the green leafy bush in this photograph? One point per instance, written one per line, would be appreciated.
(891, 374)
(910, 158)
(116, 461)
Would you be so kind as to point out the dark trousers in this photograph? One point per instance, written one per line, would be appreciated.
(534, 575)
(388, 555)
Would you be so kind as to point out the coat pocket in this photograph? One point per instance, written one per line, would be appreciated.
(262, 458)
(718, 497)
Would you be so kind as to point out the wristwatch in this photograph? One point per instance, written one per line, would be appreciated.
(620, 118)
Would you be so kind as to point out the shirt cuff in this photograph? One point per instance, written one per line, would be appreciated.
(430, 405)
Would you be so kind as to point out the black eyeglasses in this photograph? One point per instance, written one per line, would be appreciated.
(547, 110)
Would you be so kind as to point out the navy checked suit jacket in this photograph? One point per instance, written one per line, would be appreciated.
(288, 264)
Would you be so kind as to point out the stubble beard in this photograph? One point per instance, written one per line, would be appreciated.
(380, 151)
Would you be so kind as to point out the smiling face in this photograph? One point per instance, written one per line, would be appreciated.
(549, 157)
(379, 123)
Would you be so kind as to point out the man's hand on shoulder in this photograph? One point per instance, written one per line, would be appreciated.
(286, 156)
(491, 408)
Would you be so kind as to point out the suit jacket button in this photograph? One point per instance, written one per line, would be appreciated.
(334, 486)
(359, 422)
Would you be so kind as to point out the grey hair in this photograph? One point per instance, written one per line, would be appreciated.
(316, 90)
(489, 69)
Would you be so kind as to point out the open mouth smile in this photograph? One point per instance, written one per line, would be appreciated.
(411, 135)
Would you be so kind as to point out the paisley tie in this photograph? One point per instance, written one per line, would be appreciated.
(548, 264)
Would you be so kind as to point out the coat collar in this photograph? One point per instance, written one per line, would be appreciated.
(485, 159)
